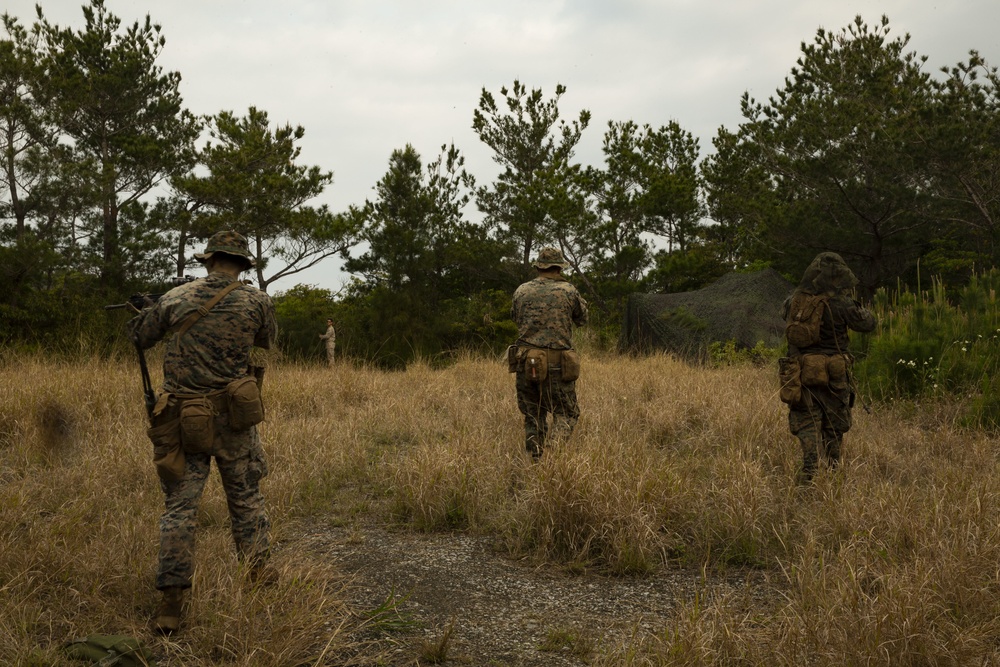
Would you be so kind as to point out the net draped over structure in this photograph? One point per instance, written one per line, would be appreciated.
(740, 307)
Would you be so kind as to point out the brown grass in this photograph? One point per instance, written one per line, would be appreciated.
(890, 561)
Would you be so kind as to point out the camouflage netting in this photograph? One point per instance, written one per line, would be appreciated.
(742, 307)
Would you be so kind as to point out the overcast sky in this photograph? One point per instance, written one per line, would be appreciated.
(365, 77)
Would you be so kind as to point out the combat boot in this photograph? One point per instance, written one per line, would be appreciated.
(168, 614)
(262, 575)
(533, 444)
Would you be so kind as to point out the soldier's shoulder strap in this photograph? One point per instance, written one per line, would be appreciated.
(207, 306)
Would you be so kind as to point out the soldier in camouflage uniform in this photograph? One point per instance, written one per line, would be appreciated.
(203, 360)
(545, 310)
(823, 415)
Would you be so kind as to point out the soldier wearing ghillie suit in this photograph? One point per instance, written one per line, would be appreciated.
(546, 366)
(816, 375)
(330, 338)
(208, 409)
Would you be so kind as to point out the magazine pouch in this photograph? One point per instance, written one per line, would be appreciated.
(814, 370)
(837, 369)
(165, 433)
(791, 384)
(570, 364)
(198, 425)
(245, 407)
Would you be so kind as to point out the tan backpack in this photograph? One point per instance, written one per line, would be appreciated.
(805, 318)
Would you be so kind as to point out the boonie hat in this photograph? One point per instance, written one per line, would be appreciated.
(228, 243)
(549, 257)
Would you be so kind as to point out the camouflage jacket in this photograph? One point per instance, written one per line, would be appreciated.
(545, 310)
(330, 336)
(216, 350)
(844, 314)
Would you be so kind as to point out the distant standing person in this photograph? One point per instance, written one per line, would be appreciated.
(330, 338)
(816, 375)
(546, 366)
(208, 409)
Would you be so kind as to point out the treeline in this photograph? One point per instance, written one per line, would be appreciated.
(109, 183)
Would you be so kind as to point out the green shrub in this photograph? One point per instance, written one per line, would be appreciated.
(732, 354)
(930, 344)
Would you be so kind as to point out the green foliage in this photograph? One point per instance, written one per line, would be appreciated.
(860, 151)
(648, 189)
(122, 115)
(302, 313)
(389, 617)
(533, 147)
(684, 271)
(831, 161)
(255, 186)
(928, 344)
(732, 354)
(430, 279)
(481, 322)
(392, 328)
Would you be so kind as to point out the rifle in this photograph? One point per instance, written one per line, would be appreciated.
(137, 302)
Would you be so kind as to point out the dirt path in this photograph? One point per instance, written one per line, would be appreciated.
(507, 612)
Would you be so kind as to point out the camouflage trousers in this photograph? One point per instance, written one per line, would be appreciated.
(820, 421)
(240, 459)
(537, 400)
(330, 354)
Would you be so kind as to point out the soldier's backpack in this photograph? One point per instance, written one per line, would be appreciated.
(805, 318)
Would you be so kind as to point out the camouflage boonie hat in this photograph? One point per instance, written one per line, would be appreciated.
(549, 257)
(229, 243)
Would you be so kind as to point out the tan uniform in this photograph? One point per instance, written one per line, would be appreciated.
(330, 338)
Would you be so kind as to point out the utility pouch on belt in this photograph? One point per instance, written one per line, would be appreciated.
(512, 359)
(570, 363)
(198, 425)
(791, 385)
(165, 433)
(245, 406)
(836, 368)
(814, 372)
(536, 364)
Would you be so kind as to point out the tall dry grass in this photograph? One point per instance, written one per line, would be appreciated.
(890, 561)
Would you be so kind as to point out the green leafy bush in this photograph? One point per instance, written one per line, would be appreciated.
(929, 343)
(732, 354)
(302, 313)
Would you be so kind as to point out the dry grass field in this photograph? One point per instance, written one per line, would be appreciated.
(893, 560)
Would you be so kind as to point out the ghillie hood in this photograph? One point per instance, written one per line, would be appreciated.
(828, 274)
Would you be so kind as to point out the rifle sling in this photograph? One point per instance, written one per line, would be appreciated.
(207, 306)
